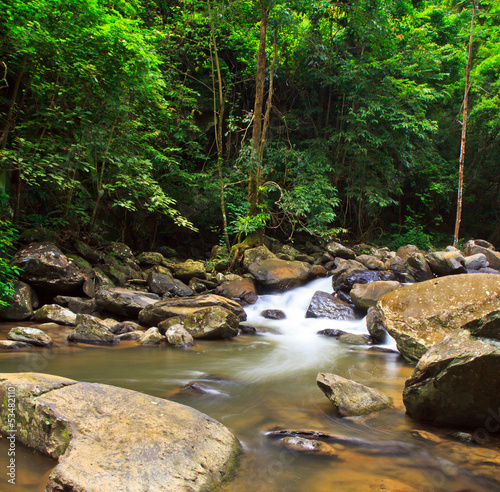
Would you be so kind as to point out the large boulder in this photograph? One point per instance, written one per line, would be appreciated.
(161, 283)
(419, 315)
(350, 398)
(365, 296)
(210, 323)
(152, 315)
(53, 313)
(45, 267)
(107, 438)
(242, 290)
(325, 305)
(22, 303)
(124, 302)
(33, 336)
(456, 383)
(280, 275)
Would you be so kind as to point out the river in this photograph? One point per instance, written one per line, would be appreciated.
(257, 383)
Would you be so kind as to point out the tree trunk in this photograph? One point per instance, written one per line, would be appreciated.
(464, 131)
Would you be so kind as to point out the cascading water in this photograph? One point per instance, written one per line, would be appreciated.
(297, 344)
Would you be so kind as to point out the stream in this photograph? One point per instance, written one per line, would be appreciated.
(257, 383)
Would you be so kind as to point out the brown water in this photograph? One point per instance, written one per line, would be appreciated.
(268, 381)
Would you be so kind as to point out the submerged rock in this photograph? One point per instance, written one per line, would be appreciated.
(419, 315)
(350, 398)
(112, 439)
(456, 383)
(33, 336)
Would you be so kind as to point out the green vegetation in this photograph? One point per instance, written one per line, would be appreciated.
(150, 120)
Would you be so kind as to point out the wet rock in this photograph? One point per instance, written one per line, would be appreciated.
(338, 250)
(427, 436)
(317, 271)
(53, 313)
(350, 398)
(21, 305)
(45, 267)
(371, 262)
(452, 383)
(280, 275)
(257, 255)
(151, 337)
(125, 327)
(273, 314)
(248, 330)
(365, 296)
(178, 336)
(189, 269)
(419, 315)
(91, 330)
(331, 332)
(487, 326)
(13, 345)
(355, 339)
(209, 323)
(446, 263)
(375, 326)
(309, 446)
(201, 389)
(142, 442)
(324, 305)
(33, 336)
(242, 290)
(346, 280)
(152, 315)
(124, 302)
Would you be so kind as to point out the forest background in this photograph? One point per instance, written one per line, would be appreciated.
(177, 122)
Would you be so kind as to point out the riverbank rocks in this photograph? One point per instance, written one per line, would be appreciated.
(44, 266)
(155, 313)
(456, 383)
(210, 323)
(444, 263)
(33, 336)
(124, 302)
(325, 305)
(189, 269)
(350, 398)
(256, 255)
(53, 313)
(163, 283)
(151, 337)
(178, 336)
(366, 296)
(479, 246)
(22, 304)
(107, 438)
(280, 275)
(338, 250)
(419, 315)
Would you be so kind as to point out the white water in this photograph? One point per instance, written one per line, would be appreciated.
(297, 346)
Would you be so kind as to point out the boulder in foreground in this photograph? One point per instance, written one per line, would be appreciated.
(456, 383)
(140, 442)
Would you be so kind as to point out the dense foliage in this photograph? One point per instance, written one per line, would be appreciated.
(128, 119)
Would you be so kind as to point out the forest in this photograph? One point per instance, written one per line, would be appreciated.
(167, 122)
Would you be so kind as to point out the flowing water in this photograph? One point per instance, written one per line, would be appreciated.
(258, 383)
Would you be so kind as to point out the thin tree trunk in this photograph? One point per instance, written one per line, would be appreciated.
(464, 131)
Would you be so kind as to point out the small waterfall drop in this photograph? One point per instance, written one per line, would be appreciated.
(297, 346)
